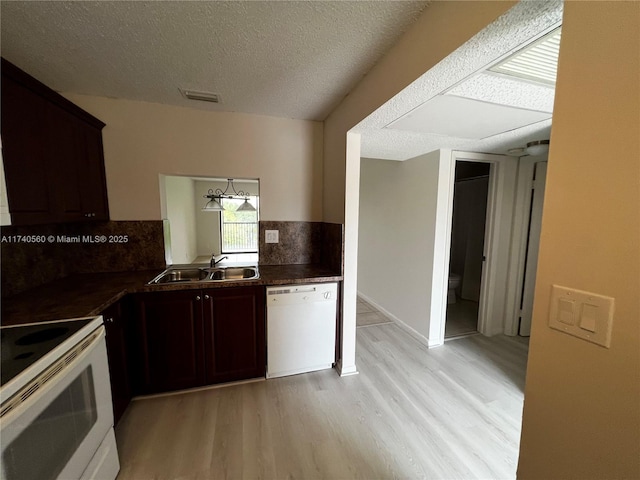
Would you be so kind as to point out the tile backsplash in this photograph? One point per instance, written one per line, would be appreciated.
(333, 246)
(299, 242)
(303, 243)
(64, 249)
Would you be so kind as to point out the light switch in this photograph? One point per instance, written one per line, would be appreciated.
(582, 314)
(271, 236)
(588, 317)
(566, 311)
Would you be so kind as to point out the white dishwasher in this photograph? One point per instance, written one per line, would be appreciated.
(301, 328)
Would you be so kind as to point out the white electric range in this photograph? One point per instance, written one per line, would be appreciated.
(56, 417)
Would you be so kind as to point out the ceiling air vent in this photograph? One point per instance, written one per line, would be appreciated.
(201, 96)
(537, 62)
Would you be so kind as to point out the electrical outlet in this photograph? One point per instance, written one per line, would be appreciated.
(271, 236)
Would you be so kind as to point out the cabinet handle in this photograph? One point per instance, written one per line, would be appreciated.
(207, 297)
(109, 320)
(197, 297)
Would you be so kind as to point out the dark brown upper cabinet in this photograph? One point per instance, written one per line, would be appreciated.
(52, 154)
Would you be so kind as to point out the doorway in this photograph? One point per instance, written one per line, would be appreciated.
(497, 241)
(467, 247)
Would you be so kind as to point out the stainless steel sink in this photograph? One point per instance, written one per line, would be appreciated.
(182, 275)
(218, 274)
(233, 273)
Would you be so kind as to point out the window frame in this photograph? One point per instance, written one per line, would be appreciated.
(254, 200)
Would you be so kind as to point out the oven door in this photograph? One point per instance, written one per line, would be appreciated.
(65, 414)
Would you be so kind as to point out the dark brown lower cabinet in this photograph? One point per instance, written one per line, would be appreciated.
(234, 328)
(193, 338)
(118, 338)
(171, 341)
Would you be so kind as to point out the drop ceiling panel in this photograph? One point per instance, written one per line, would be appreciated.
(458, 117)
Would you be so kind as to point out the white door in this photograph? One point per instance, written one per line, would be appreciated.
(533, 243)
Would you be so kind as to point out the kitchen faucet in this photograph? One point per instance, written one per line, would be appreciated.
(214, 262)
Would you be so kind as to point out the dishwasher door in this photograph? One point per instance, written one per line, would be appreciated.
(301, 328)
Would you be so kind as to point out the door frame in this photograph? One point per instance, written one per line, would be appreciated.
(521, 217)
(533, 248)
(502, 185)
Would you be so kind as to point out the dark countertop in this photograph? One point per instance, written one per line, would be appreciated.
(89, 294)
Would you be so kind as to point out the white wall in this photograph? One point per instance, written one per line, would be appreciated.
(582, 401)
(207, 223)
(143, 140)
(181, 213)
(397, 241)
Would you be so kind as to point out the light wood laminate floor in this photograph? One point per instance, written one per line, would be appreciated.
(367, 314)
(452, 412)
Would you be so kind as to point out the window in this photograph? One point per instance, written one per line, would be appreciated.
(239, 230)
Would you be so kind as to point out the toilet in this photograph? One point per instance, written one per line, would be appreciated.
(454, 283)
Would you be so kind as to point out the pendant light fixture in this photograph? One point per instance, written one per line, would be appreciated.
(215, 199)
(213, 205)
(246, 207)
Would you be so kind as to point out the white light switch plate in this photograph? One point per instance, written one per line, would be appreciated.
(271, 236)
(582, 314)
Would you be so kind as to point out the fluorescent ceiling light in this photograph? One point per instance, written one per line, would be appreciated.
(537, 61)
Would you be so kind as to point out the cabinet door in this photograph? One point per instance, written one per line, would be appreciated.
(64, 151)
(52, 152)
(76, 150)
(234, 326)
(117, 336)
(27, 170)
(171, 346)
(93, 185)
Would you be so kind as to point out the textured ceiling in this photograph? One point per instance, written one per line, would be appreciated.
(285, 59)
(463, 74)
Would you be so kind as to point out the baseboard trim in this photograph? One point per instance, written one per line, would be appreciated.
(410, 330)
(198, 389)
(345, 371)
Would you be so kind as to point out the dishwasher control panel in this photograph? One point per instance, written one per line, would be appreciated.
(295, 294)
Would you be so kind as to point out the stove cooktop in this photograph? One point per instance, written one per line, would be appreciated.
(23, 345)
